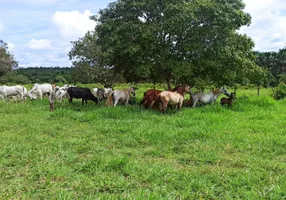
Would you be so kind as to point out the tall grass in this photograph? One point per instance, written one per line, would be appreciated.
(93, 151)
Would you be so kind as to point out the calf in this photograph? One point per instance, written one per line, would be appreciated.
(83, 93)
(228, 100)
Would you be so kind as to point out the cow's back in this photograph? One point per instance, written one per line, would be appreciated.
(77, 92)
(45, 88)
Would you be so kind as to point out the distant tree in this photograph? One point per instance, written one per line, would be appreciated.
(46, 74)
(15, 78)
(61, 79)
(82, 73)
(274, 63)
(7, 61)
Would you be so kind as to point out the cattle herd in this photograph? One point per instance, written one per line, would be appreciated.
(19, 92)
(151, 97)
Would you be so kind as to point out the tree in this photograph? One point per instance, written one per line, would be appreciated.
(89, 62)
(7, 61)
(14, 77)
(274, 63)
(175, 39)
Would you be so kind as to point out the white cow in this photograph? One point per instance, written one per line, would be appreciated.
(18, 97)
(107, 91)
(98, 92)
(10, 91)
(61, 93)
(40, 90)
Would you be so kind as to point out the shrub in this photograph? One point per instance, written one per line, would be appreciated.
(280, 91)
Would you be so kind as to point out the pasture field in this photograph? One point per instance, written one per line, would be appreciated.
(95, 152)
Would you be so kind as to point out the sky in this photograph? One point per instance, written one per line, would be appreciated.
(39, 32)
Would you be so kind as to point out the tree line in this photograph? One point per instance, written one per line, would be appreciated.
(183, 41)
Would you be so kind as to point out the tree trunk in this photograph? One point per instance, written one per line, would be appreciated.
(169, 84)
(169, 78)
(258, 90)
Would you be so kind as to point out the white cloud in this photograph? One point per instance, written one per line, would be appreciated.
(39, 44)
(268, 27)
(73, 25)
(11, 46)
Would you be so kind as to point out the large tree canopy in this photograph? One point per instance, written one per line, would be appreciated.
(7, 61)
(172, 39)
(191, 41)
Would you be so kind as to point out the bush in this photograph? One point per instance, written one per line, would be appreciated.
(280, 91)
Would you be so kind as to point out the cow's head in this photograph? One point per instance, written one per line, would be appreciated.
(30, 96)
(107, 91)
(100, 93)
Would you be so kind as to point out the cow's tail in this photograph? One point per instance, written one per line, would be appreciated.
(110, 100)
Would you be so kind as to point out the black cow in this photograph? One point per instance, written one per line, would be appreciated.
(83, 93)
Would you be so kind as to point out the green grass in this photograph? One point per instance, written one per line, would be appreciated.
(93, 151)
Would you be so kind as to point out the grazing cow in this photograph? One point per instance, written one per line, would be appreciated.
(83, 93)
(11, 91)
(98, 93)
(61, 93)
(40, 90)
(107, 91)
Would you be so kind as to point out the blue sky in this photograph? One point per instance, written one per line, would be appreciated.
(38, 32)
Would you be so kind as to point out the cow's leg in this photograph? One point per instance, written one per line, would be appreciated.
(126, 101)
(195, 103)
(165, 104)
(180, 105)
(152, 103)
(41, 95)
(6, 98)
(21, 95)
(82, 100)
(115, 101)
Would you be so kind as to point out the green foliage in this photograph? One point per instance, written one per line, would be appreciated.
(282, 78)
(46, 74)
(245, 81)
(14, 77)
(274, 63)
(280, 91)
(60, 79)
(90, 64)
(7, 61)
